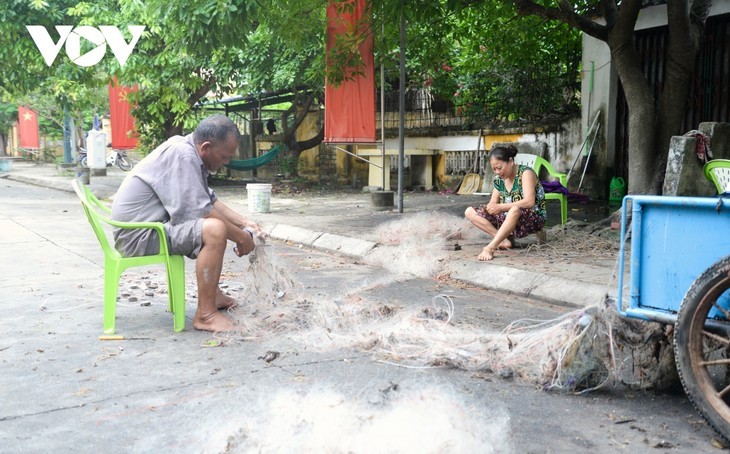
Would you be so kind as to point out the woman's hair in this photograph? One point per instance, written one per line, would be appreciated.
(503, 153)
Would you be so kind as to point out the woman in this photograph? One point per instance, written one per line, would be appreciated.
(517, 206)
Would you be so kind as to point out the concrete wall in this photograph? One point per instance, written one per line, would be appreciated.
(563, 142)
(656, 16)
(685, 171)
(458, 151)
(598, 92)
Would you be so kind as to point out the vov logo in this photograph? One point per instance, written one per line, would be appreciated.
(100, 37)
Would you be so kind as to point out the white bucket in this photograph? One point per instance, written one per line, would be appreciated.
(259, 197)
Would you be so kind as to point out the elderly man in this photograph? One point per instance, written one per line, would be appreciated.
(170, 186)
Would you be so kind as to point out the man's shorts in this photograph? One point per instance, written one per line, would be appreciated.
(182, 239)
(186, 238)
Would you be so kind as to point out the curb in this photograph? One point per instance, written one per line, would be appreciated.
(44, 182)
(349, 246)
(102, 190)
(552, 289)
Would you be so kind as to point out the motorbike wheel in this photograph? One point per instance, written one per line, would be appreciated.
(124, 163)
(702, 345)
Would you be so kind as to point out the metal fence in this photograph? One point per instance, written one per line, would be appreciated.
(529, 96)
(462, 162)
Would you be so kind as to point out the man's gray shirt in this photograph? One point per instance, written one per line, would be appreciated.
(169, 185)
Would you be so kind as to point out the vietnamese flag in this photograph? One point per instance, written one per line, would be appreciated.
(28, 128)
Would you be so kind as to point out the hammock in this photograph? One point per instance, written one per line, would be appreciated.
(250, 164)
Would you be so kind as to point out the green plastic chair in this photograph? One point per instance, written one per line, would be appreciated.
(98, 214)
(718, 171)
(537, 163)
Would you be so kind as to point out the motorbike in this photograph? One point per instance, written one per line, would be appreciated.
(114, 157)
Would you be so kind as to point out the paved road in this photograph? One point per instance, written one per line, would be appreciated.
(290, 384)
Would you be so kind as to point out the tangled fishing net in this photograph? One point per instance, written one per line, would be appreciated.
(582, 350)
(576, 239)
(416, 244)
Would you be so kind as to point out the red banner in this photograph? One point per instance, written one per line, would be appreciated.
(349, 114)
(28, 128)
(124, 135)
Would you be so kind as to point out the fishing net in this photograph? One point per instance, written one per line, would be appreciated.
(416, 244)
(581, 350)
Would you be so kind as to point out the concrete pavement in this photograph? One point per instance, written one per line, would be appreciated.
(569, 272)
(65, 390)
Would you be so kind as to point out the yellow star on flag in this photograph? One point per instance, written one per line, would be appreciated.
(27, 116)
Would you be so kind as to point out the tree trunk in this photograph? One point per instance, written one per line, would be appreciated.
(642, 160)
(685, 30)
(300, 107)
(642, 178)
(3, 145)
(172, 129)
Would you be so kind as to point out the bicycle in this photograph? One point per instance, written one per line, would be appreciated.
(115, 157)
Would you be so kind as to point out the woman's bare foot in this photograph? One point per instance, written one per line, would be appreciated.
(487, 254)
(223, 301)
(505, 244)
(215, 322)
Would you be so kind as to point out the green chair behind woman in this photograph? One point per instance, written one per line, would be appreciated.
(537, 163)
(98, 214)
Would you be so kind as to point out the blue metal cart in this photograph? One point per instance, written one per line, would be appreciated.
(679, 274)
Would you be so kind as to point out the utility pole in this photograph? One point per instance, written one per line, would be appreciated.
(402, 106)
(66, 136)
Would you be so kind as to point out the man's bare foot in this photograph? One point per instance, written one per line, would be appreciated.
(487, 254)
(223, 301)
(215, 322)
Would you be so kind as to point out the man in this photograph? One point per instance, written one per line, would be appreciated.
(170, 185)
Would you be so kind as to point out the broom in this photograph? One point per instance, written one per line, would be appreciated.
(472, 181)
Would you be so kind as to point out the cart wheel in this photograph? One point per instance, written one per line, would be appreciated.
(702, 345)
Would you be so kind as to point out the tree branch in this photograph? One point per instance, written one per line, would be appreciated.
(313, 142)
(627, 17)
(301, 106)
(198, 94)
(564, 13)
(298, 119)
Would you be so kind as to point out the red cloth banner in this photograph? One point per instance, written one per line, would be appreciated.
(28, 128)
(349, 114)
(124, 134)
